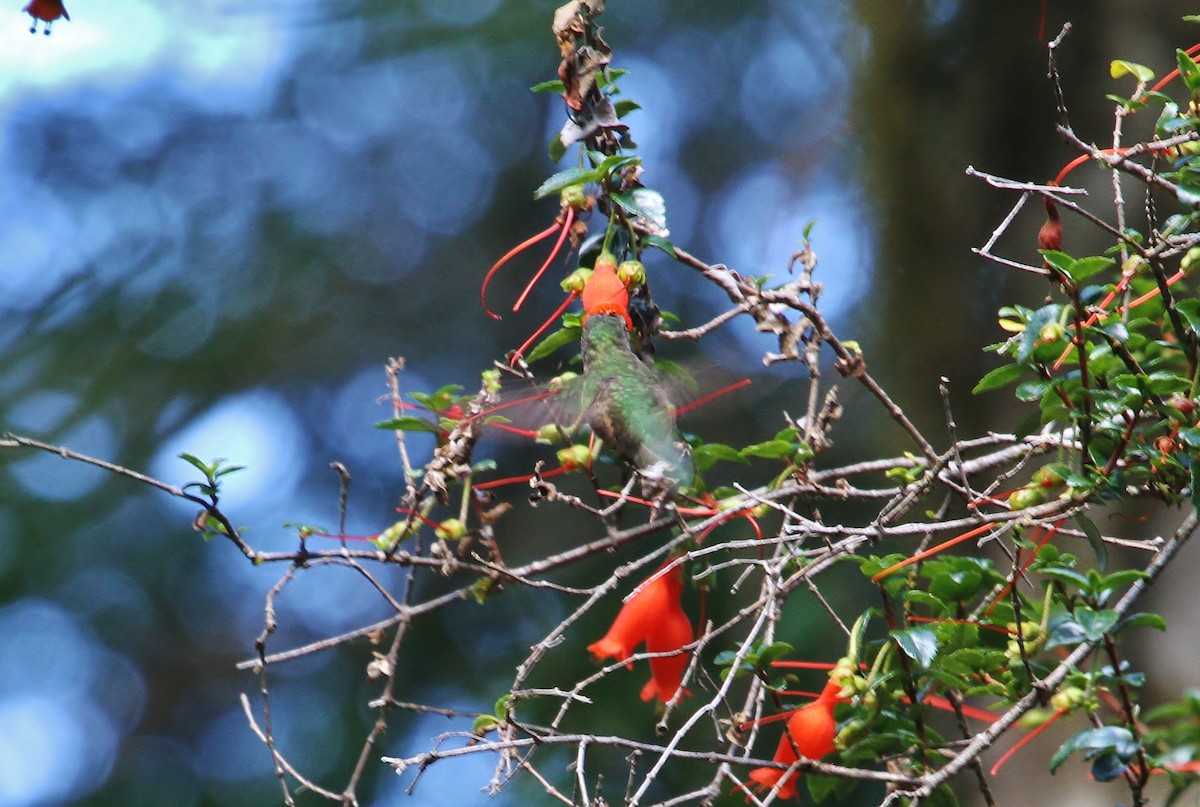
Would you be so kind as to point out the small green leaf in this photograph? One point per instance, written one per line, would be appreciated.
(556, 148)
(1086, 267)
(999, 378)
(1188, 71)
(408, 423)
(553, 342)
(554, 85)
(1120, 67)
(1095, 540)
(771, 449)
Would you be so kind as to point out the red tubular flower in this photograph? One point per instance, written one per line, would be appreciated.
(810, 731)
(653, 616)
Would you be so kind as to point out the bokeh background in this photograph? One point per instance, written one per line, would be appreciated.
(218, 221)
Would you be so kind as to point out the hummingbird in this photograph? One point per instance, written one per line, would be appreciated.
(626, 405)
(47, 11)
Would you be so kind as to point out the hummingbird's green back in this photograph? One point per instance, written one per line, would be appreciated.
(628, 409)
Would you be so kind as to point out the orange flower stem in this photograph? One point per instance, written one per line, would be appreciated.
(526, 244)
(1025, 740)
(958, 539)
(702, 400)
(562, 236)
(519, 352)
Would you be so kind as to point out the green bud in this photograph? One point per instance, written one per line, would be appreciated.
(491, 380)
(451, 530)
(632, 273)
(1068, 698)
(574, 456)
(573, 196)
(576, 280)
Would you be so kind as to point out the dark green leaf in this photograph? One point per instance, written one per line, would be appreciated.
(567, 178)
(554, 85)
(1095, 540)
(556, 148)
(659, 242)
(1115, 737)
(625, 106)
(919, 644)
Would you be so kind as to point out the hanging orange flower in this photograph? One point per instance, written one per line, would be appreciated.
(810, 731)
(653, 616)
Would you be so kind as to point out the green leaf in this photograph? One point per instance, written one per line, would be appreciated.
(1120, 67)
(708, 454)
(554, 85)
(553, 342)
(1096, 623)
(771, 449)
(999, 378)
(658, 242)
(1095, 540)
(1155, 621)
(565, 179)
(1117, 738)
(1086, 267)
(1188, 71)
(408, 423)
(919, 644)
(1190, 309)
(1195, 485)
(645, 204)
(625, 106)
(556, 148)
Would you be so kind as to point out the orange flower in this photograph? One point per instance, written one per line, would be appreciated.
(655, 617)
(604, 293)
(810, 731)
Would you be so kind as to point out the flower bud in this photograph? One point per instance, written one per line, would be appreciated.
(576, 280)
(632, 273)
(451, 530)
(574, 456)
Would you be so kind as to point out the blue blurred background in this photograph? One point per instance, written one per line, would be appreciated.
(218, 221)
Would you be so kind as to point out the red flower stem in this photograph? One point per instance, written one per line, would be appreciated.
(519, 352)
(528, 242)
(1025, 740)
(514, 430)
(405, 511)
(958, 539)
(511, 480)
(562, 236)
(507, 405)
(702, 400)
